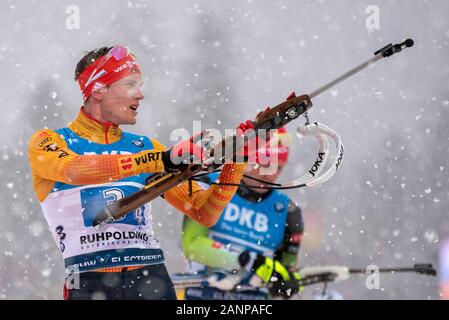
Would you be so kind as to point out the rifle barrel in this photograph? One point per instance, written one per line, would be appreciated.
(346, 75)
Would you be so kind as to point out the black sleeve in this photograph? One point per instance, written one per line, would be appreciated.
(294, 229)
(205, 179)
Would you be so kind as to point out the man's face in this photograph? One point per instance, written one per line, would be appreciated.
(256, 171)
(121, 100)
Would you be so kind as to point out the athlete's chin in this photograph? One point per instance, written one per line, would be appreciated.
(130, 120)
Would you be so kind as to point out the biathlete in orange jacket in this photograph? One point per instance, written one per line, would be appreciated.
(80, 169)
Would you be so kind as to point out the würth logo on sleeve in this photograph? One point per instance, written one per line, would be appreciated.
(43, 134)
(150, 156)
(126, 164)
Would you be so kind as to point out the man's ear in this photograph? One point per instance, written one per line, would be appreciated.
(98, 94)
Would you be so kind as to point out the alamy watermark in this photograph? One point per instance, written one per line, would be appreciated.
(72, 279)
(72, 21)
(373, 279)
(372, 21)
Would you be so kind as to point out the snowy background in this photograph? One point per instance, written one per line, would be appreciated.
(220, 62)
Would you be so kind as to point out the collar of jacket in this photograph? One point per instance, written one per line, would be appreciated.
(251, 194)
(89, 128)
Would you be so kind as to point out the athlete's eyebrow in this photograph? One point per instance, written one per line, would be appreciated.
(133, 82)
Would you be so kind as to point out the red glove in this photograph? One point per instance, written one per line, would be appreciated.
(249, 151)
(241, 129)
(183, 153)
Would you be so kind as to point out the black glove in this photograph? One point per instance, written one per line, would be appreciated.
(279, 280)
(285, 285)
(169, 165)
(182, 154)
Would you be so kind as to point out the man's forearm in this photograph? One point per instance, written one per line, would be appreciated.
(206, 206)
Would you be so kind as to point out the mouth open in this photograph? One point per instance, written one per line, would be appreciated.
(134, 107)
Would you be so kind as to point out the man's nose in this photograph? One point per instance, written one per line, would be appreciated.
(139, 95)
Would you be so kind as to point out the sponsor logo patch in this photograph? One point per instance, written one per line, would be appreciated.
(126, 164)
(138, 143)
(150, 156)
(279, 206)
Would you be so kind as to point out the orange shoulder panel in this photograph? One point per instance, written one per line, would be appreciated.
(51, 160)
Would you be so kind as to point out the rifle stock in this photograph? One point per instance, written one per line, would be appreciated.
(225, 150)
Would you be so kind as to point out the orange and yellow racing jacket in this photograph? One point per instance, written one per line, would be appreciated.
(80, 169)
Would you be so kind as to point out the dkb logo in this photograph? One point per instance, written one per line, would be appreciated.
(245, 217)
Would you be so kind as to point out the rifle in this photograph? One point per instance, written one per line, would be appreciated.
(226, 150)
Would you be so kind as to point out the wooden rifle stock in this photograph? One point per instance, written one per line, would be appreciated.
(225, 150)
